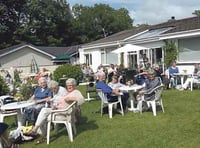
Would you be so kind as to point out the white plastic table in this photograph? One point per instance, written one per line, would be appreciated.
(18, 106)
(182, 75)
(131, 89)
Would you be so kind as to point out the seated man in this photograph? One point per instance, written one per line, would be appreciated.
(109, 91)
(195, 79)
(42, 95)
(63, 100)
(150, 84)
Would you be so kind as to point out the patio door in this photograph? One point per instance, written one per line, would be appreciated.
(132, 60)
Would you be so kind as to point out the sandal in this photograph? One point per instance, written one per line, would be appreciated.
(41, 140)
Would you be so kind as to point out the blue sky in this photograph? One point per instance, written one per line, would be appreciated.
(149, 11)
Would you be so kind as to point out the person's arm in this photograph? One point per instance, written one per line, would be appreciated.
(155, 83)
(47, 99)
(75, 96)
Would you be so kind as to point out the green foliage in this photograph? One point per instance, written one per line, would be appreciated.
(68, 71)
(52, 23)
(101, 20)
(170, 52)
(26, 90)
(3, 87)
(10, 12)
(45, 22)
(196, 12)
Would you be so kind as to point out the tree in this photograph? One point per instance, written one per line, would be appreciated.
(196, 12)
(10, 11)
(45, 23)
(92, 23)
(171, 52)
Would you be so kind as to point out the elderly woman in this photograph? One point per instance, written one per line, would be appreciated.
(63, 101)
(42, 95)
(151, 83)
(115, 84)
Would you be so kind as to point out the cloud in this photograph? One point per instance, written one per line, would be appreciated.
(155, 11)
(149, 11)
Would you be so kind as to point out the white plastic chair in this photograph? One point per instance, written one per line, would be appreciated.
(193, 82)
(5, 113)
(157, 99)
(104, 100)
(64, 116)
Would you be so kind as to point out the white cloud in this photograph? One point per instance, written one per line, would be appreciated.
(156, 11)
(150, 11)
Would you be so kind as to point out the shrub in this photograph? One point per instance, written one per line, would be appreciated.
(68, 71)
(3, 87)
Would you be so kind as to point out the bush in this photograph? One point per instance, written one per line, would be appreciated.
(68, 71)
(3, 87)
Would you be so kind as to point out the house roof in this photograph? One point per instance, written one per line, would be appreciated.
(187, 24)
(49, 51)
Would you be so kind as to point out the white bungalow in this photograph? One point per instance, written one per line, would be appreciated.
(185, 33)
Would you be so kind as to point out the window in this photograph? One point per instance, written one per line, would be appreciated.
(88, 59)
(189, 49)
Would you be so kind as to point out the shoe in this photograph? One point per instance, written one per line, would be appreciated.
(119, 111)
(135, 110)
(181, 89)
(41, 140)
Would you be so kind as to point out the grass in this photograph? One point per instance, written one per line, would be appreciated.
(177, 127)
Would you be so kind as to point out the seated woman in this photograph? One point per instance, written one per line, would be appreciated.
(115, 84)
(150, 84)
(109, 91)
(4, 136)
(42, 95)
(63, 100)
(173, 69)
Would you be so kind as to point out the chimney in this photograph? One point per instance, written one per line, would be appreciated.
(172, 19)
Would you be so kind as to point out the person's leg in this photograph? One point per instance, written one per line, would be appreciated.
(187, 82)
(5, 140)
(42, 117)
(125, 97)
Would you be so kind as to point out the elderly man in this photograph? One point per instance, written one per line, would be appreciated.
(62, 101)
(109, 91)
(151, 83)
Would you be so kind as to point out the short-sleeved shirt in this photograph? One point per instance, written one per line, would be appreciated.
(173, 70)
(41, 93)
(61, 104)
(61, 92)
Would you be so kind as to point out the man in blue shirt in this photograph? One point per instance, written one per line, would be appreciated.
(108, 90)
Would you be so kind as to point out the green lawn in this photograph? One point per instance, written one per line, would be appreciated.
(177, 127)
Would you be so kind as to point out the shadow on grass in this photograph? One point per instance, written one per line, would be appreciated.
(82, 126)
